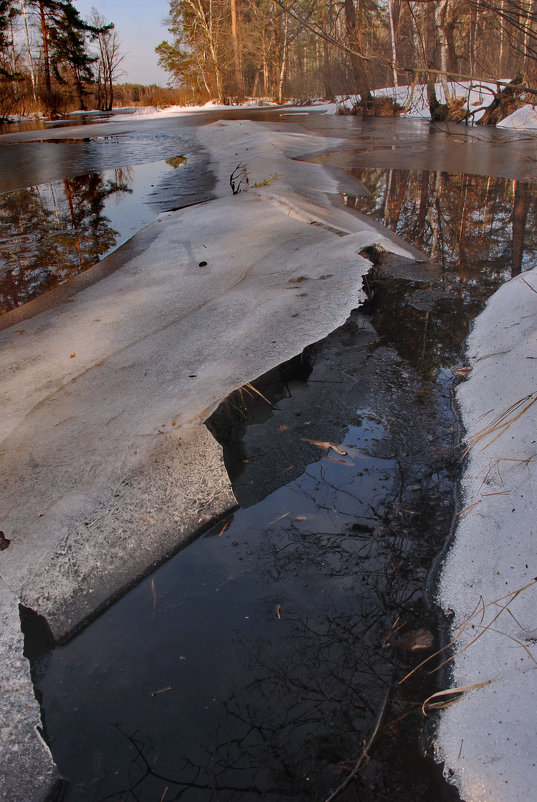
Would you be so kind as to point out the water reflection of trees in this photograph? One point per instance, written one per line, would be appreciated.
(316, 679)
(480, 230)
(456, 218)
(51, 232)
(295, 731)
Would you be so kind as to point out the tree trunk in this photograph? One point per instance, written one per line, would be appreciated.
(521, 205)
(393, 44)
(214, 56)
(358, 65)
(531, 62)
(29, 50)
(283, 63)
(265, 64)
(502, 29)
(44, 34)
(440, 9)
(327, 66)
(236, 46)
(505, 102)
(110, 93)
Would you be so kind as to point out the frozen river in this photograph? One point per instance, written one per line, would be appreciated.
(256, 662)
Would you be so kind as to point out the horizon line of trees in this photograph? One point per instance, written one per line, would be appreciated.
(299, 48)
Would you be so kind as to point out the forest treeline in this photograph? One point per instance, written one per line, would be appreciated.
(300, 48)
(52, 60)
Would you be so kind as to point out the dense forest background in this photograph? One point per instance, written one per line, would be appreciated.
(53, 61)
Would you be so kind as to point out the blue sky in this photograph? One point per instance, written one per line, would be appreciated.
(139, 24)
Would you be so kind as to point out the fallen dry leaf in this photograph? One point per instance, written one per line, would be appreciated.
(279, 518)
(464, 371)
(416, 639)
(162, 690)
(154, 595)
(326, 445)
(340, 461)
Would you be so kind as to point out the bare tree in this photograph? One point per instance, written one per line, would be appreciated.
(109, 60)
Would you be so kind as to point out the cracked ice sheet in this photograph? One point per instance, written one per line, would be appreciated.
(106, 467)
(489, 737)
(94, 389)
(27, 771)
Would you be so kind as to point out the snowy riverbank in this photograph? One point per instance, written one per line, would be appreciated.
(413, 99)
(489, 737)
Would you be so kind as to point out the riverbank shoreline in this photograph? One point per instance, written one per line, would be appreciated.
(488, 738)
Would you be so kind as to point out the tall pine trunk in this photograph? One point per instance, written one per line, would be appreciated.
(44, 35)
(359, 72)
(235, 28)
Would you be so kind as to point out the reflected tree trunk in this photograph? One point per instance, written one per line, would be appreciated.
(521, 204)
(69, 196)
(422, 211)
(387, 199)
(464, 221)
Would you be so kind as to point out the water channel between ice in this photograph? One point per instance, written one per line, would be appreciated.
(255, 663)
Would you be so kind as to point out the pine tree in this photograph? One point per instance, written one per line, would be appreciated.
(65, 36)
(7, 11)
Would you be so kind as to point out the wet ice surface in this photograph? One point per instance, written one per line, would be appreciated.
(255, 663)
(51, 232)
(68, 201)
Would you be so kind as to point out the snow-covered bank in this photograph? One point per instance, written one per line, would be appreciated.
(106, 465)
(489, 737)
(413, 99)
(414, 102)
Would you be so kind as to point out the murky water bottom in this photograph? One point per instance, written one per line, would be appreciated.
(259, 660)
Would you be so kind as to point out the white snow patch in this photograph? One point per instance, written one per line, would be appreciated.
(523, 118)
(489, 737)
(477, 96)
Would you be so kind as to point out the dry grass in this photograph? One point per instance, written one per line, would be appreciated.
(475, 621)
(501, 423)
